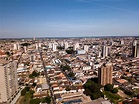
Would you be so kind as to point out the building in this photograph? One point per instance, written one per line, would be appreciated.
(32, 58)
(66, 45)
(76, 46)
(54, 45)
(105, 51)
(86, 48)
(16, 46)
(37, 47)
(135, 49)
(8, 81)
(81, 52)
(105, 74)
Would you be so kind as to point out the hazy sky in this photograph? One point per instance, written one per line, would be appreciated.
(29, 18)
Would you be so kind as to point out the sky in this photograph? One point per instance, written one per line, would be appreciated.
(68, 18)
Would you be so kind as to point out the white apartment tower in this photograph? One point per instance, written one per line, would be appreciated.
(135, 49)
(86, 48)
(16, 46)
(37, 47)
(54, 47)
(66, 45)
(8, 81)
(76, 46)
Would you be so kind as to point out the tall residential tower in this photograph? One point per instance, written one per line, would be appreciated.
(8, 81)
(105, 74)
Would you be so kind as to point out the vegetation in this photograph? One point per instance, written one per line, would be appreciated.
(71, 74)
(60, 48)
(35, 101)
(92, 89)
(68, 88)
(113, 97)
(34, 84)
(109, 87)
(8, 53)
(70, 51)
(46, 100)
(34, 74)
(25, 44)
(28, 97)
(26, 89)
(128, 92)
(65, 67)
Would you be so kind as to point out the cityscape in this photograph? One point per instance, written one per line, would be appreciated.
(69, 52)
(69, 71)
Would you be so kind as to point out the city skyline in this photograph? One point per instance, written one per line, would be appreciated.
(68, 18)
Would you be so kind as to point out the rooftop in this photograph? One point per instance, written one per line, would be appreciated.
(3, 61)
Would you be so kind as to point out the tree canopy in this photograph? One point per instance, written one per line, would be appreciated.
(93, 90)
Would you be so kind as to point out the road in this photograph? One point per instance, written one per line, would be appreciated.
(47, 78)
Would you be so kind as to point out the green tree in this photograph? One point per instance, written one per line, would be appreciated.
(60, 47)
(34, 74)
(70, 51)
(115, 90)
(68, 88)
(35, 101)
(108, 87)
(23, 92)
(25, 44)
(27, 88)
(8, 53)
(93, 89)
(65, 67)
(34, 84)
(46, 100)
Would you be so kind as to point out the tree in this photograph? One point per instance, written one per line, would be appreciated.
(108, 87)
(60, 47)
(34, 74)
(70, 51)
(92, 89)
(25, 44)
(115, 90)
(23, 92)
(27, 88)
(68, 88)
(34, 84)
(48, 99)
(35, 101)
(8, 53)
(66, 67)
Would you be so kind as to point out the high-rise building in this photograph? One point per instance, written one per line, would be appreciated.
(105, 74)
(135, 49)
(16, 46)
(76, 46)
(25, 49)
(105, 51)
(122, 42)
(86, 48)
(66, 45)
(54, 45)
(37, 47)
(50, 45)
(8, 81)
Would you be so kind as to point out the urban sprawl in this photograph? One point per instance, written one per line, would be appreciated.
(69, 71)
